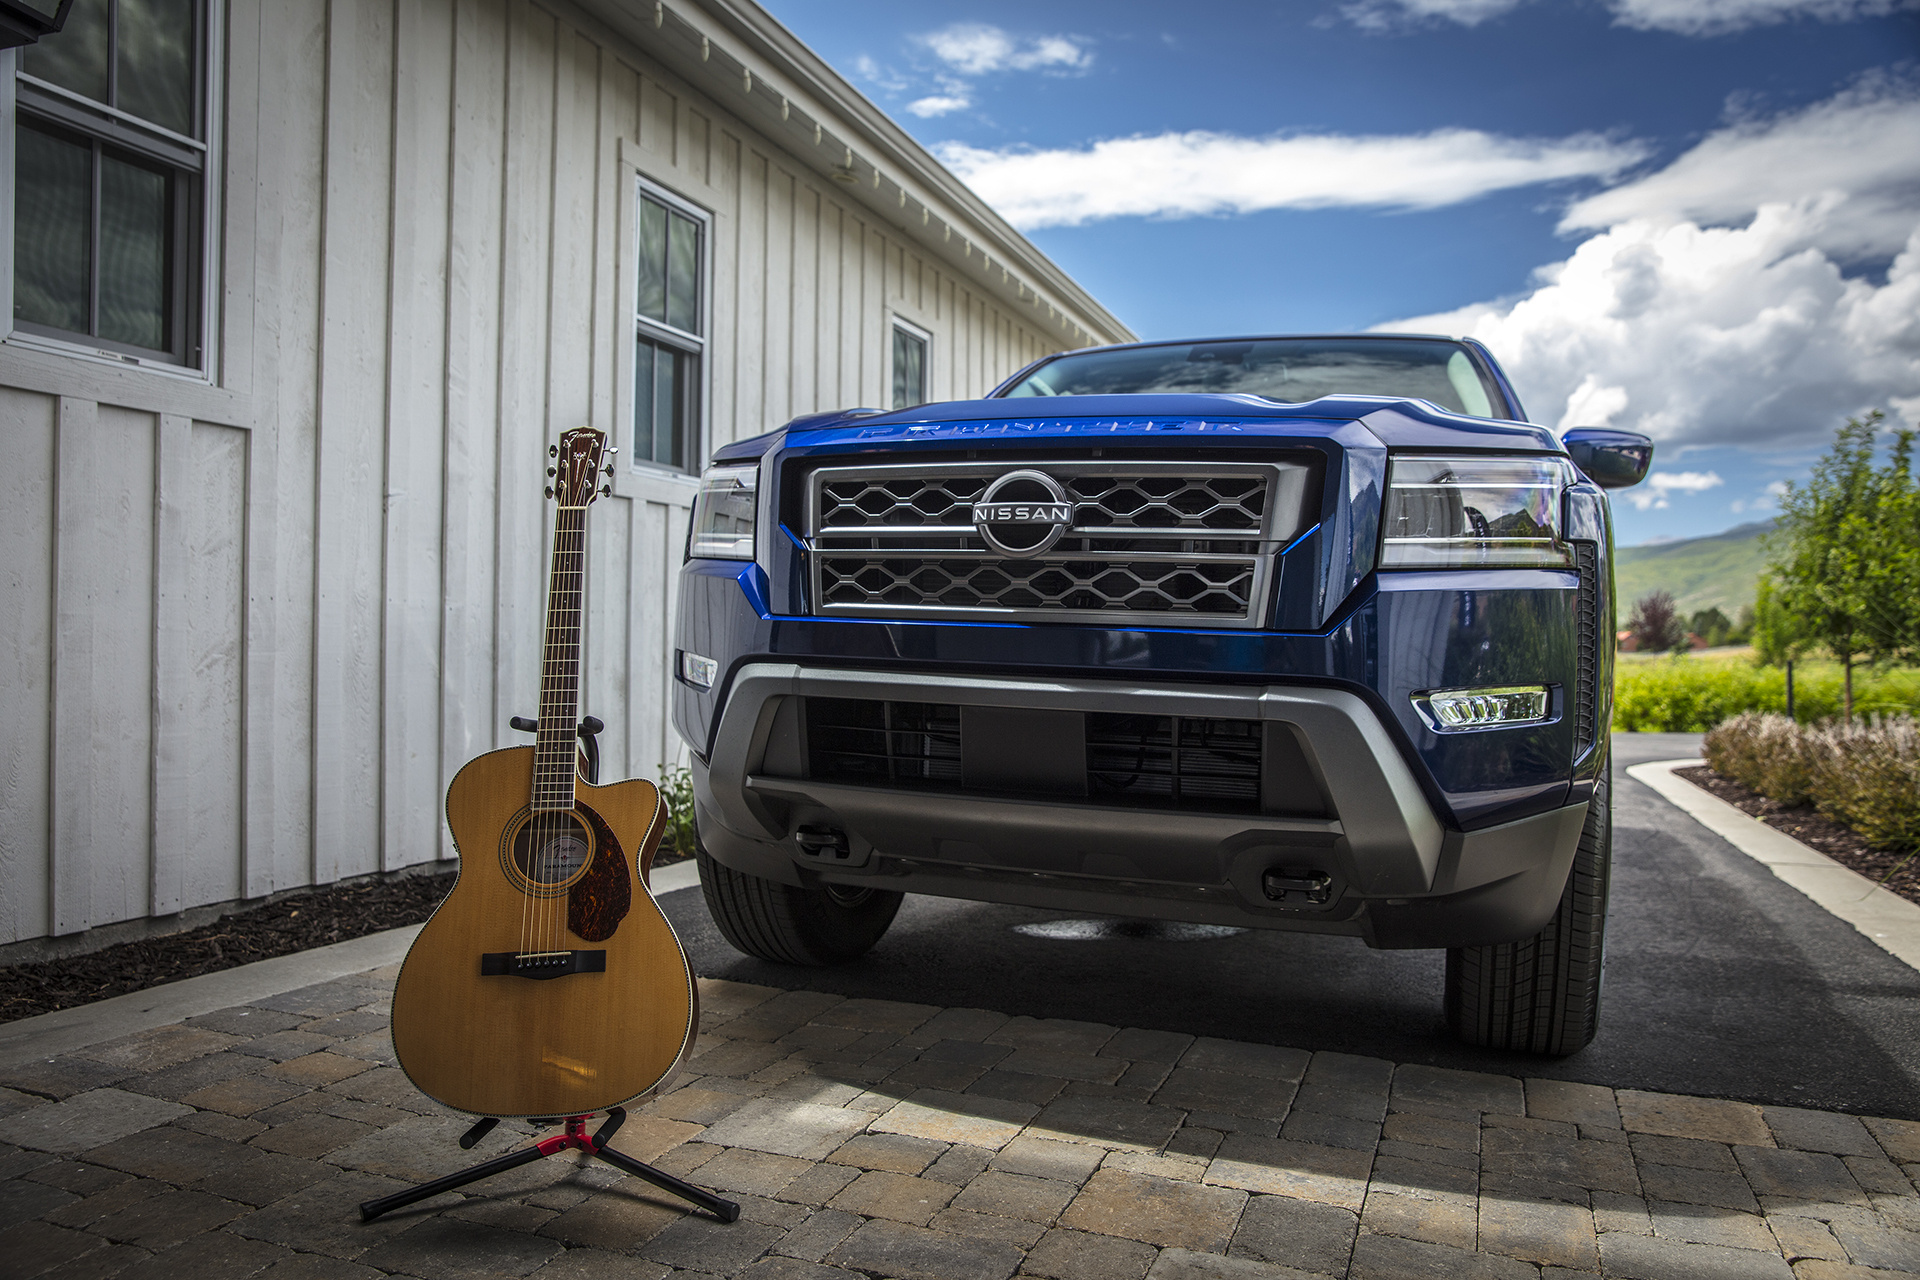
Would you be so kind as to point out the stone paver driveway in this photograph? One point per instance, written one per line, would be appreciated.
(891, 1140)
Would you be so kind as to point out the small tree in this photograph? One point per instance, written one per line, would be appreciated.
(1711, 625)
(1655, 623)
(1890, 578)
(1833, 565)
(1777, 636)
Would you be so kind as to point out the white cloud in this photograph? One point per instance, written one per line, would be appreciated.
(1662, 483)
(975, 48)
(1179, 175)
(939, 105)
(1744, 335)
(1768, 500)
(1862, 145)
(1382, 15)
(1680, 17)
(1721, 17)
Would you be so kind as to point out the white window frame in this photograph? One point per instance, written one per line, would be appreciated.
(205, 370)
(698, 344)
(925, 338)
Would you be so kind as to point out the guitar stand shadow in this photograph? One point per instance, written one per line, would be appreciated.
(575, 1138)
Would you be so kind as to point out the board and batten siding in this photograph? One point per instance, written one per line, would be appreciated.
(249, 629)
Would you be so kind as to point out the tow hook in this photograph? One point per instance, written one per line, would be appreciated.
(1304, 883)
(822, 842)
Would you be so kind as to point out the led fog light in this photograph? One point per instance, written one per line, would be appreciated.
(1457, 710)
(698, 671)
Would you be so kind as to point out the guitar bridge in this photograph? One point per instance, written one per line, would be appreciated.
(541, 964)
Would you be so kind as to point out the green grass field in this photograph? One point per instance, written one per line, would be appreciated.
(1694, 692)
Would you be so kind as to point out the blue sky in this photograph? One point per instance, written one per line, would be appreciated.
(1695, 218)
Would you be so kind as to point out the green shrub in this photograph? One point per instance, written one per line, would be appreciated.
(1865, 776)
(676, 788)
(1689, 695)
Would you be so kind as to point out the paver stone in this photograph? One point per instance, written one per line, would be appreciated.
(1677, 1116)
(88, 1120)
(1156, 1210)
(897, 1250)
(1080, 1255)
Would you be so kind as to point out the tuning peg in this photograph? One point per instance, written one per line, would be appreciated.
(611, 450)
(606, 491)
(552, 472)
(553, 451)
(549, 491)
(608, 470)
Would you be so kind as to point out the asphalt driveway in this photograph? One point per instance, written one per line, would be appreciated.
(1721, 979)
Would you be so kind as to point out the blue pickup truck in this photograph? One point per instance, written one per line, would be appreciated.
(1309, 633)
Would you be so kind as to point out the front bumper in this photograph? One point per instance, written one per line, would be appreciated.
(1396, 875)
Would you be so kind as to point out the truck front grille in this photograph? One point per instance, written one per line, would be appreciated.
(1177, 585)
(1176, 762)
(864, 740)
(1147, 542)
(1163, 762)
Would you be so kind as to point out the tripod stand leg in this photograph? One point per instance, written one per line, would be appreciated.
(371, 1209)
(725, 1210)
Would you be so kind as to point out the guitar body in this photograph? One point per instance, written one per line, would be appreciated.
(477, 1024)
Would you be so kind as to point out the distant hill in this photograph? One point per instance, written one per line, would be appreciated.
(1720, 571)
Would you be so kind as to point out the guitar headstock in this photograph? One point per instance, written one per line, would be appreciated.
(577, 468)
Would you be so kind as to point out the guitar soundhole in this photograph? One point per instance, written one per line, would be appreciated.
(544, 853)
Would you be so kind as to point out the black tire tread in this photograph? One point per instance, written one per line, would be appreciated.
(1542, 994)
(790, 924)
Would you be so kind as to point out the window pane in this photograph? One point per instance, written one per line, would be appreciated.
(652, 302)
(665, 387)
(133, 254)
(52, 210)
(154, 42)
(909, 369)
(643, 366)
(683, 273)
(76, 57)
(667, 396)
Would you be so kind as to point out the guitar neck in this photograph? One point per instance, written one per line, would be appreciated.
(556, 750)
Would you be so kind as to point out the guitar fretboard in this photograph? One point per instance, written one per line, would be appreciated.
(555, 751)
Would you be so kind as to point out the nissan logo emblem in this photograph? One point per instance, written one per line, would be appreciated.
(1023, 513)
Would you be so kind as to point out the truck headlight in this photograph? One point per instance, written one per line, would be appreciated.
(723, 514)
(1474, 513)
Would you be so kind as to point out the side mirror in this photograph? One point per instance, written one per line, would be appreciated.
(1611, 459)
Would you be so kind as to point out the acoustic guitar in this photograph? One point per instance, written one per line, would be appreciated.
(548, 983)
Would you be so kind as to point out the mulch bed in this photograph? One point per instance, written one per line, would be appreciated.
(1814, 829)
(298, 922)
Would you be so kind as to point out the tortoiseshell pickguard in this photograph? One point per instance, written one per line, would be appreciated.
(600, 899)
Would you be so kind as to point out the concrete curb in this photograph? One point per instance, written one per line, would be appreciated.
(65, 1030)
(1889, 921)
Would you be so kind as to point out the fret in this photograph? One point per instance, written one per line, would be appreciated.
(556, 749)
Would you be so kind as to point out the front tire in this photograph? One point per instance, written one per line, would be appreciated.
(817, 925)
(1542, 994)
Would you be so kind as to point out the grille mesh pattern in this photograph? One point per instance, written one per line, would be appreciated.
(879, 743)
(1206, 588)
(1205, 503)
(1587, 628)
(1174, 761)
(1148, 542)
(1164, 762)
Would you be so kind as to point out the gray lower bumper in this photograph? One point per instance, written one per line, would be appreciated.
(1400, 878)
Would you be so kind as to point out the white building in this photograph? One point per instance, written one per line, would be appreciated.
(300, 291)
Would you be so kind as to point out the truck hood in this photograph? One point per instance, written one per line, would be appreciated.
(1394, 422)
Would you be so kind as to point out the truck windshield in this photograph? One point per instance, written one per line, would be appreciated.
(1286, 369)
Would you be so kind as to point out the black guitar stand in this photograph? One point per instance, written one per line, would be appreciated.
(575, 1138)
